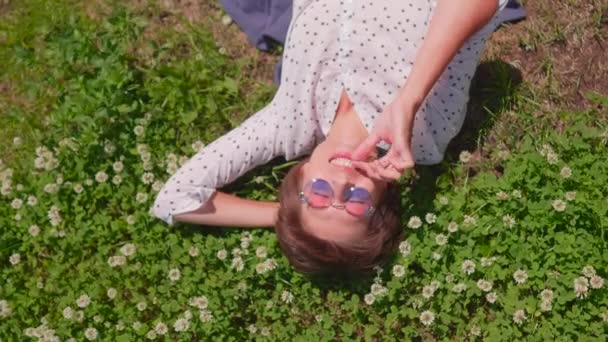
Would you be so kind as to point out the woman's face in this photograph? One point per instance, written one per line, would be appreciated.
(331, 161)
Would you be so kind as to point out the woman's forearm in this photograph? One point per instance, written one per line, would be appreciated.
(223, 209)
(453, 22)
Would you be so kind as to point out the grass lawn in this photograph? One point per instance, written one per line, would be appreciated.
(101, 101)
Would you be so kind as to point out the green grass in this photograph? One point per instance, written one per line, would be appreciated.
(80, 85)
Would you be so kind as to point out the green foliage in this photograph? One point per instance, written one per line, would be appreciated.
(81, 256)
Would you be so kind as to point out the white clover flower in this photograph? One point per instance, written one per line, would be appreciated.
(501, 195)
(519, 316)
(181, 324)
(469, 220)
(452, 227)
(138, 130)
(222, 254)
(465, 157)
(428, 291)
(141, 197)
(238, 264)
(205, 316)
(51, 188)
(596, 282)
(605, 316)
(430, 218)
(83, 301)
(436, 256)
(147, 178)
(545, 306)
(183, 160)
(171, 168)
(136, 325)
(5, 308)
(17, 203)
(378, 290)
(197, 146)
(443, 200)
(581, 287)
(79, 315)
(111, 293)
(151, 335)
(369, 298)
(161, 328)
(520, 276)
(287, 297)
(101, 177)
(15, 259)
(566, 172)
(552, 158)
(261, 252)
(441, 239)
(265, 331)
(484, 285)
(174, 274)
(475, 331)
(252, 329)
(68, 313)
(589, 271)
(201, 302)
(491, 297)
(193, 251)
(546, 295)
(508, 221)
(487, 262)
(17, 217)
(117, 180)
(128, 249)
(17, 141)
(468, 267)
(120, 326)
(34, 230)
(187, 314)
(118, 166)
(405, 248)
(245, 244)
(88, 182)
(398, 271)
(449, 278)
(117, 260)
(516, 193)
(78, 188)
(90, 334)
(415, 222)
(130, 219)
(559, 205)
(97, 319)
(570, 196)
(427, 317)
(141, 306)
(109, 148)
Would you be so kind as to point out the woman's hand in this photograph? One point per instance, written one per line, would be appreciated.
(394, 125)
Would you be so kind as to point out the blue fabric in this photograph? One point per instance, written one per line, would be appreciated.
(265, 22)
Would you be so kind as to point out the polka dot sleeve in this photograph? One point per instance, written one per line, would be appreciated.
(259, 139)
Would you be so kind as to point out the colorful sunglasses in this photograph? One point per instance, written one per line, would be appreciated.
(318, 193)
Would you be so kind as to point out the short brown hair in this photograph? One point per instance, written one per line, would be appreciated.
(318, 257)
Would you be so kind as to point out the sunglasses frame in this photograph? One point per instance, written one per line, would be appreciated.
(302, 198)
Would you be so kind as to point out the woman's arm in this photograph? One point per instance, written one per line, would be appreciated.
(223, 209)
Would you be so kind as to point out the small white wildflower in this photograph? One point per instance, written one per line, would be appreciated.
(405, 248)
(171, 168)
(90, 334)
(484, 285)
(201, 302)
(237, 264)
(465, 157)
(78, 188)
(138, 130)
(32, 201)
(34, 230)
(559, 205)
(68, 313)
(151, 335)
(519, 316)
(88, 182)
(17, 203)
(428, 291)
(222, 254)
(369, 299)
(487, 262)
(436, 256)
(469, 220)
(15, 259)
(589, 271)
(566, 172)
(265, 331)
(441, 239)
(570, 196)
(545, 306)
(605, 316)
(161, 328)
(427, 317)
(552, 158)
(468, 266)
(452, 227)
(596, 282)
(17, 141)
(581, 287)
(83, 301)
(51, 188)
(193, 251)
(430, 218)
(117, 180)
(141, 306)
(101, 177)
(501, 195)
(118, 166)
(128, 249)
(491, 297)
(205, 316)
(197, 146)
(378, 290)
(475, 331)
(415, 222)
(157, 186)
(398, 271)
(261, 252)
(226, 20)
(516, 193)
(520, 276)
(117, 260)
(187, 314)
(546, 295)
(141, 197)
(147, 178)
(130, 220)
(443, 200)
(287, 297)
(508, 221)
(174, 274)
(181, 324)
(449, 278)
(97, 319)
(252, 329)
(111, 293)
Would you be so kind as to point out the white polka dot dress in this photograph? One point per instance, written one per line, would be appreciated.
(366, 48)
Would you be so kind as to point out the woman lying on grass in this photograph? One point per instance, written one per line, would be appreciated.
(355, 73)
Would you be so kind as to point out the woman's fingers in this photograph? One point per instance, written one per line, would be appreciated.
(367, 147)
(376, 171)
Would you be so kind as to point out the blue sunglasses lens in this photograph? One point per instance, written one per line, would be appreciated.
(319, 193)
(358, 201)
